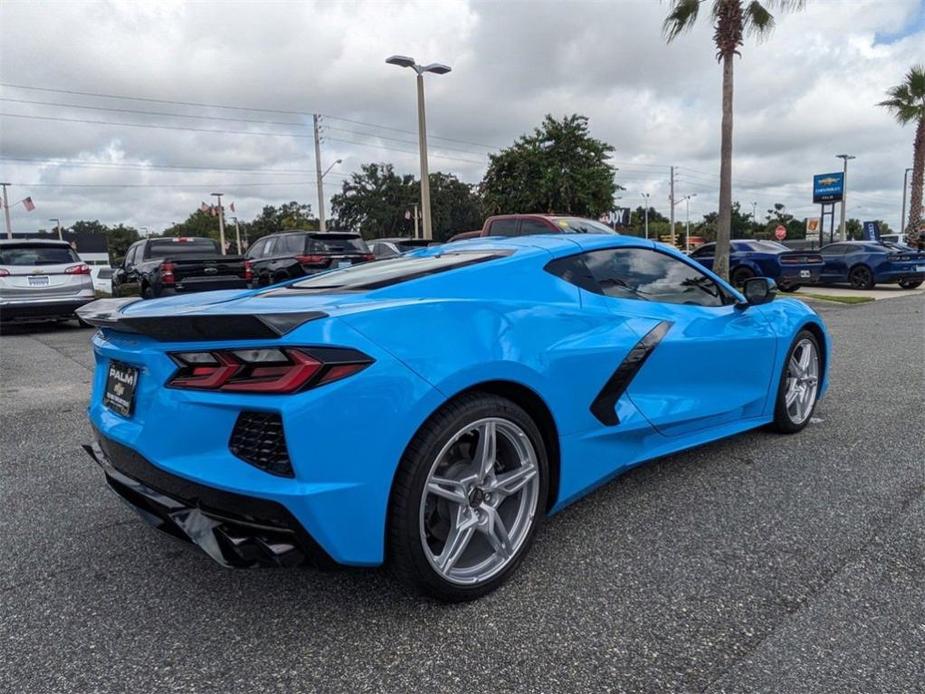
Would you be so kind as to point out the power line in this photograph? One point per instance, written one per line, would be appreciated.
(144, 167)
(165, 185)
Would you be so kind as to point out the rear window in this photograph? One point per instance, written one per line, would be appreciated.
(384, 273)
(577, 225)
(336, 244)
(175, 247)
(764, 246)
(37, 254)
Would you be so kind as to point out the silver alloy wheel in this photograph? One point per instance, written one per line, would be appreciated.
(802, 381)
(479, 501)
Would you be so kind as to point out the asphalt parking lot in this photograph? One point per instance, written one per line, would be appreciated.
(760, 563)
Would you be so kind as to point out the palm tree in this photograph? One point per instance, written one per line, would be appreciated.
(732, 20)
(907, 104)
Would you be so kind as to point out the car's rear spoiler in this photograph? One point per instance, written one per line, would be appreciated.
(107, 313)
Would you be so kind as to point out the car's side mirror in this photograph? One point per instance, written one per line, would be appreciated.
(759, 290)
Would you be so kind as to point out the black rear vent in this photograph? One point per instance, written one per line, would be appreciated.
(258, 439)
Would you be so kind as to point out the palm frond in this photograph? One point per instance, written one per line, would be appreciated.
(757, 19)
(907, 100)
(681, 17)
(915, 81)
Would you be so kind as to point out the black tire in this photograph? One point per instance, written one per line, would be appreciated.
(406, 558)
(788, 287)
(739, 275)
(783, 423)
(147, 292)
(861, 277)
(910, 284)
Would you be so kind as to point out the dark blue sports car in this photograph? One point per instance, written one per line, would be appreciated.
(864, 264)
(752, 258)
(429, 410)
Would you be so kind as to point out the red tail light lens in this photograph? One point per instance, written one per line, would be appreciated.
(82, 269)
(167, 276)
(311, 259)
(4, 273)
(248, 270)
(268, 370)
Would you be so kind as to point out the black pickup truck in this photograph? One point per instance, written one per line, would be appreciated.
(170, 265)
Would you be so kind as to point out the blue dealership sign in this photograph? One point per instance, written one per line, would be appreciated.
(871, 231)
(828, 187)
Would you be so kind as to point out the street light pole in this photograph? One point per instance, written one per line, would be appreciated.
(645, 199)
(6, 211)
(844, 194)
(902, 217)
(221, 221)
(57, 226)
(438, 69)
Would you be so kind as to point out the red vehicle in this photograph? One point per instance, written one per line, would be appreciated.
(526, 224)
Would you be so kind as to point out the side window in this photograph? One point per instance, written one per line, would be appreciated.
(533, 226)
(256, 248)
(638, 273)
(130, 256)
(837, 249)
(293, 245)
(503, 227)
(705, 251)
(269, 246)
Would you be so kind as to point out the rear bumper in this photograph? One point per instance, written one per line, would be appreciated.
(236, 531)
(204, 284)
(39, 309)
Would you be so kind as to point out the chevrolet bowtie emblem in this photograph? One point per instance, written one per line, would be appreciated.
(828, 181)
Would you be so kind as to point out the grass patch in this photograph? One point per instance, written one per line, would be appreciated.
(839, 299)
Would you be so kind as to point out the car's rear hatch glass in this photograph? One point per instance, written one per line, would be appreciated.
(385, 273)
(335, 244)
(172, 248)
(36, 255)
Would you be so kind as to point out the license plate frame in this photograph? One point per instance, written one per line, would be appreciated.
(38, 280)
(121, 386)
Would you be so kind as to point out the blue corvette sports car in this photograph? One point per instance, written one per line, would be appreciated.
(755, 258)
(428, 411)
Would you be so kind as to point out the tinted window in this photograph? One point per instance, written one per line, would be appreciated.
(637, 273)
(130, 256)
(390, 271)
(294, 244)
(37, 254)
(577, 225)
(105, 273)
(256, 249)
(704, 251)
(175, 247)
(332, 243)
(503, 227)
(533, 226)
(836, 249)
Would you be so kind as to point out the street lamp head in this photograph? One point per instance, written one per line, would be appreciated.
(400, 60)
(845, 156)
(339, 161)
(436, 68)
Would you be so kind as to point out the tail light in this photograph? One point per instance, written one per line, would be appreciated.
(167, 276)
(311, 259)
(81, 269)
(800, 259)
(4, 272)
(271, 370)
(248, 271)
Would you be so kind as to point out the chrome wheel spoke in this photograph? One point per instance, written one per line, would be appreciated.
(496, 532)
(457, 541)
(513, 481)
(486, 450)
(792, 394)
(451, 490)
(795, 369)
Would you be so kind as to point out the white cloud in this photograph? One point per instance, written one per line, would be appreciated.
(804, 95)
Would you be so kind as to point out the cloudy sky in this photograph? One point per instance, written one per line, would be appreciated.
(223, 92)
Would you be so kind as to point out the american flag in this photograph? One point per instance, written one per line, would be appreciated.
(28, 204)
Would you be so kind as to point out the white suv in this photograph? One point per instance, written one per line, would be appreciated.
(41, 280)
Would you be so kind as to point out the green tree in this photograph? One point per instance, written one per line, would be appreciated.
(376, 201)
(778, 216)
(558, 168)
(199, 223)
(732, 20)
(907, 104)
(120, 238)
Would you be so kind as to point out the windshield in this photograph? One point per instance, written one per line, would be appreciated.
(336, 244)
(175, 247)
(384, 273)
(766, 246)
(577, 225)
(37, 254)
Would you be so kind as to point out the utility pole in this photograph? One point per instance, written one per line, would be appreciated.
(319, 178)
(671, 200)
(844, 194)
(902, 217)
(221, 221)
(645, 200)
(6, 212)
(237, 234)
(57, 227)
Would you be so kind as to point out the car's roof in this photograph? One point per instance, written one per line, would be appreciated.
(557, 244)
(32, 242)
(315, 232)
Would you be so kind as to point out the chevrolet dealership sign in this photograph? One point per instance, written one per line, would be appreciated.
(828, 187)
